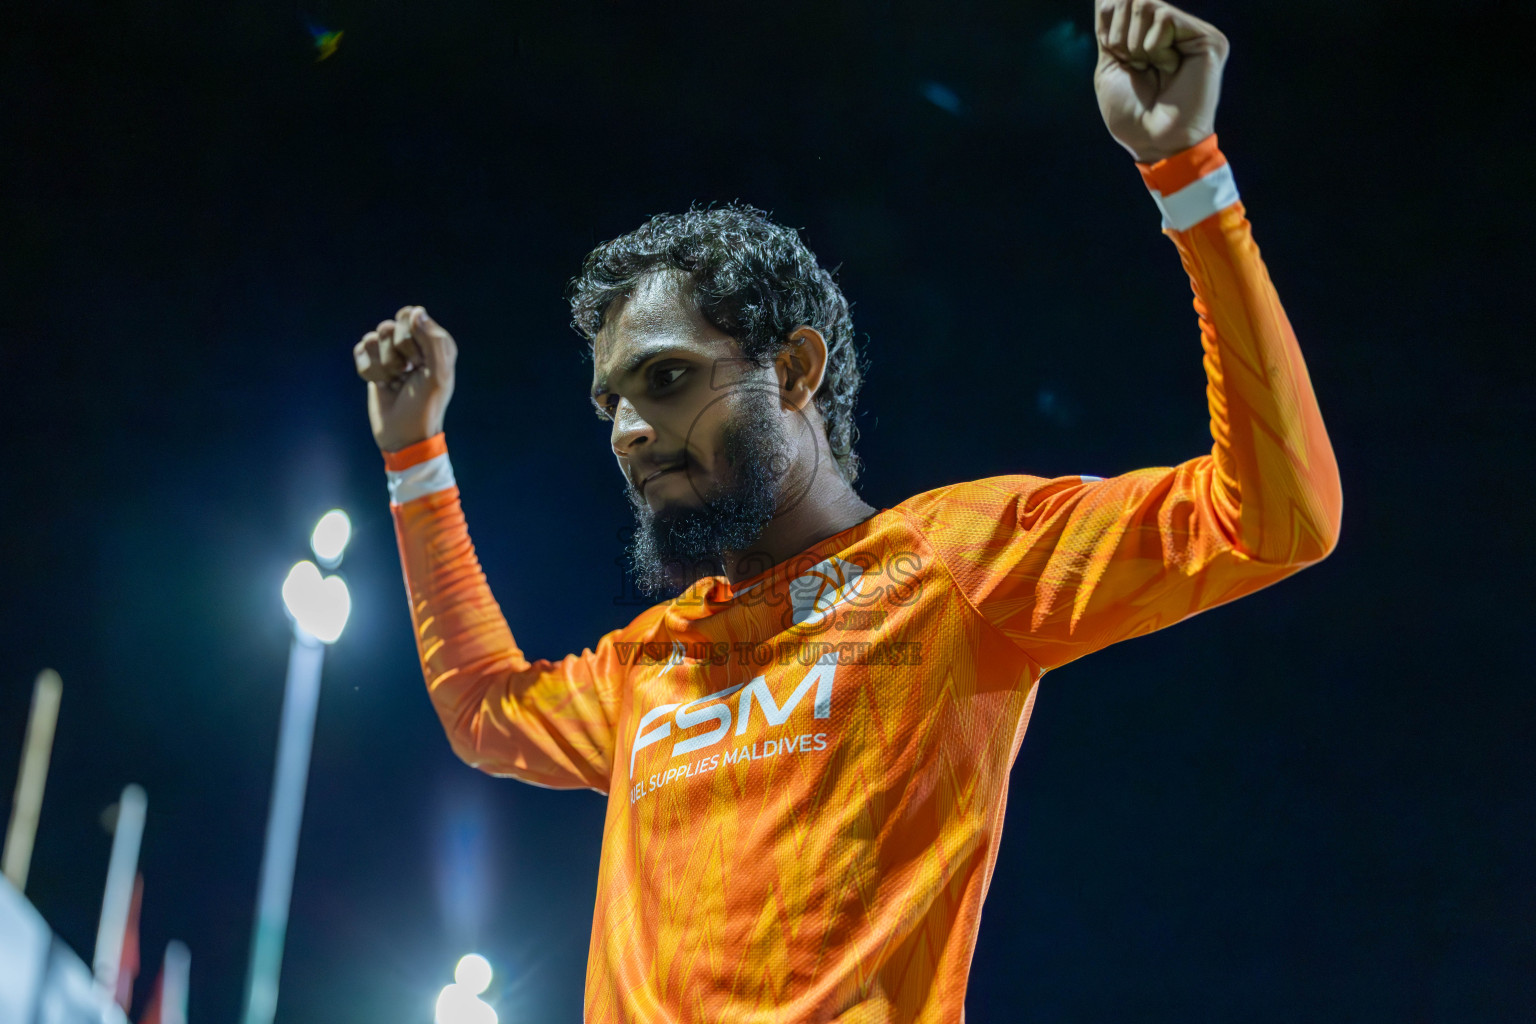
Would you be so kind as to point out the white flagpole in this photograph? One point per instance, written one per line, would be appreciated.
(121, 869)
(28, 804)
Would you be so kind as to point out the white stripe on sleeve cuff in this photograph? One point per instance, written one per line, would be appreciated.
(422, 479)
(1198, 200)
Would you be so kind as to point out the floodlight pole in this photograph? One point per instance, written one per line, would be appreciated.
(300, 699)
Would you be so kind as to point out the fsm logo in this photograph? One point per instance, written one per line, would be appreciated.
(820, 589)
(716, 708)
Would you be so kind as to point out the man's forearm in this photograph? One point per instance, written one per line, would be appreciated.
(1276, 485)
(543, 722)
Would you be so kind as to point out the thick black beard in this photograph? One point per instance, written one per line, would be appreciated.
(677, 547)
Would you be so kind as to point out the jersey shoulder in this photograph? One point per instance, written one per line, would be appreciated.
(991, 500)
(646, 626)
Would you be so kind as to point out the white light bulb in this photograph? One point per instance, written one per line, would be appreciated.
(319, 605)
(330, 537)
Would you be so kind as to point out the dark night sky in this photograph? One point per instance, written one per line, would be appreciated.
(1316, 803)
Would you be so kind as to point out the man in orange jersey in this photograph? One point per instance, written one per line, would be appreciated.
(806, 749)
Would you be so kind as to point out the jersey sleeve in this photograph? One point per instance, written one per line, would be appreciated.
(1069, 565)
(551, 723)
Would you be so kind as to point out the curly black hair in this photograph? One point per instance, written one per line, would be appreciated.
(753, 279)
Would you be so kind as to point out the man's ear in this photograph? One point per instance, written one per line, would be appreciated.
(800, 365)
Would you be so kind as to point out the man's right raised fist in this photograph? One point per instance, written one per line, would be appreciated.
(408, 364)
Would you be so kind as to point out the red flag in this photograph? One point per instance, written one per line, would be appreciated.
(128, 968)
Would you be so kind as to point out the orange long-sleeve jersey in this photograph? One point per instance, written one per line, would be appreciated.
(806, 772)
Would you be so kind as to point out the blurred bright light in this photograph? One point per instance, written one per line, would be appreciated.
(319, 605)
(474, 973)
(330, 537)
(458, 1005)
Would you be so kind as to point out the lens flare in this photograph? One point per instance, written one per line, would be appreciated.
(319, 605)
(330, 537)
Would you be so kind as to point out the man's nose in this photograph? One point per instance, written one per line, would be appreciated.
(629, 429)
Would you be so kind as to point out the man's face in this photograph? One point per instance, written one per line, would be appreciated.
(697, 432)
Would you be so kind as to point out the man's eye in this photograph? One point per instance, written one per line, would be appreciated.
(662, 378)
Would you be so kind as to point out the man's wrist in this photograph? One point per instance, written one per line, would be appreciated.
(420, 451)
(418, 470)
(1157, 156)
(1190, 185)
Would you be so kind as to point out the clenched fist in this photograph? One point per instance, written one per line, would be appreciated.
(408, 364)
(1158, 76)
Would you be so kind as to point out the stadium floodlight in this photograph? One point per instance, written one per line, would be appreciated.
(329, 540)
(473, 972)
(460, 1003)
(319, 605)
